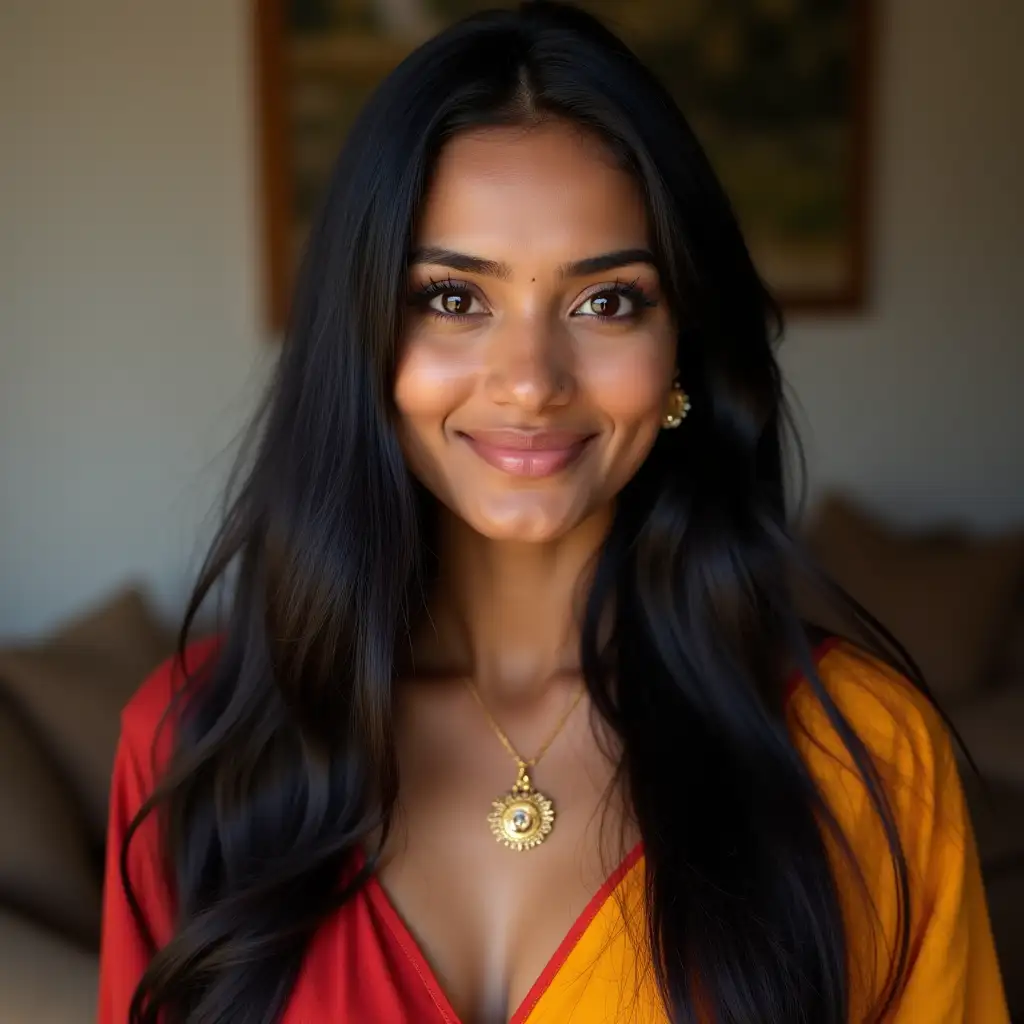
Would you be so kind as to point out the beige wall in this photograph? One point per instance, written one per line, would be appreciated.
(130, 337)
(916, 405)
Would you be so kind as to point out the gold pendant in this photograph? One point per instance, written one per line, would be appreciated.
(524, 818)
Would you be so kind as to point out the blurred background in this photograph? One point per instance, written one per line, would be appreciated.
(151, 192)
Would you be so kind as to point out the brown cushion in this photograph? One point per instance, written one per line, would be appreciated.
(946, 597)
(1009, 664)
(46, 869)
(997, 816)
(44, 979)
(992, 728)
(1005, 893)
(997, 812)
(72, 687)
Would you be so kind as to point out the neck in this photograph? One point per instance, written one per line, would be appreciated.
(506, 614)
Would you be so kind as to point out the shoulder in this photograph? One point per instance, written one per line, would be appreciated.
(141, 916)
(906, 749)
(144, 717)
(931, 883)
(887, 712)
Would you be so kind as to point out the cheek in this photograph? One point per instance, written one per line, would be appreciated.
(631, 386)
(431, 381)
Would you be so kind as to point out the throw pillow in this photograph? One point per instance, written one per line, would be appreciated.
(46, 867)
(945, 596)
(72, 688)
(1009, 666)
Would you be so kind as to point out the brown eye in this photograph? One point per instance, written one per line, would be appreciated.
(453, 303)
(622, 302)
(609, 305)
(606, 305)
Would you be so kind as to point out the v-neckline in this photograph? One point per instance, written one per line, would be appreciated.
(402, 934)
(414, 952)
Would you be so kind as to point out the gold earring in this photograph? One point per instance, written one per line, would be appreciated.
(678, 407)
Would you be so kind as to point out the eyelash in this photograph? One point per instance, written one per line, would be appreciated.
(631, 290)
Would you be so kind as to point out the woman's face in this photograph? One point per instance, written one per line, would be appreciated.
(538, 352)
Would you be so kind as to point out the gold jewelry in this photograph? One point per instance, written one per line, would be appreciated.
(679, 406)
(523, 818)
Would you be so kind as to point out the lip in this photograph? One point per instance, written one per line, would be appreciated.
(533, 453)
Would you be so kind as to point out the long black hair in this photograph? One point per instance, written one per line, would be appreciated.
(284, 758)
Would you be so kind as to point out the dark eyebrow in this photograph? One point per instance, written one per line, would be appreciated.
(606, 261)
(491, 268)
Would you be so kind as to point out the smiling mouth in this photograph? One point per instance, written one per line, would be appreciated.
(528, 453)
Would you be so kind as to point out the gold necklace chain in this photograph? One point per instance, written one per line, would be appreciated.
(507, 743)
(523, 818)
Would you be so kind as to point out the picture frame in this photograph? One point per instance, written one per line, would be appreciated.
(792, 147)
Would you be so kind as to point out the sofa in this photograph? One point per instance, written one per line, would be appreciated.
(953, 599)
(60, 702)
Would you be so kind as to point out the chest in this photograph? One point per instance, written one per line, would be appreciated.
(492, 923)
(364, 965)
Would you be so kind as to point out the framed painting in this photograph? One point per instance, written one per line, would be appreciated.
(776, 90)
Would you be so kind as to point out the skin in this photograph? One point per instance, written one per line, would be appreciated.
(533, 348)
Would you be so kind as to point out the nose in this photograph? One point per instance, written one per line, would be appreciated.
(527, 368)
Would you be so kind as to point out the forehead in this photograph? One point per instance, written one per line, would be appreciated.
(552, 192)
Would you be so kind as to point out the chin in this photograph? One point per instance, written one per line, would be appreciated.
(530, 523)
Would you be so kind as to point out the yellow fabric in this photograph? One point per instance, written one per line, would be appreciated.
(952, 973)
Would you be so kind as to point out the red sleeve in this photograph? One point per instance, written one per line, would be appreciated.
(124, 951)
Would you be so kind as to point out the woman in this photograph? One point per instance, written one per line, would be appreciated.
(512, 716)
